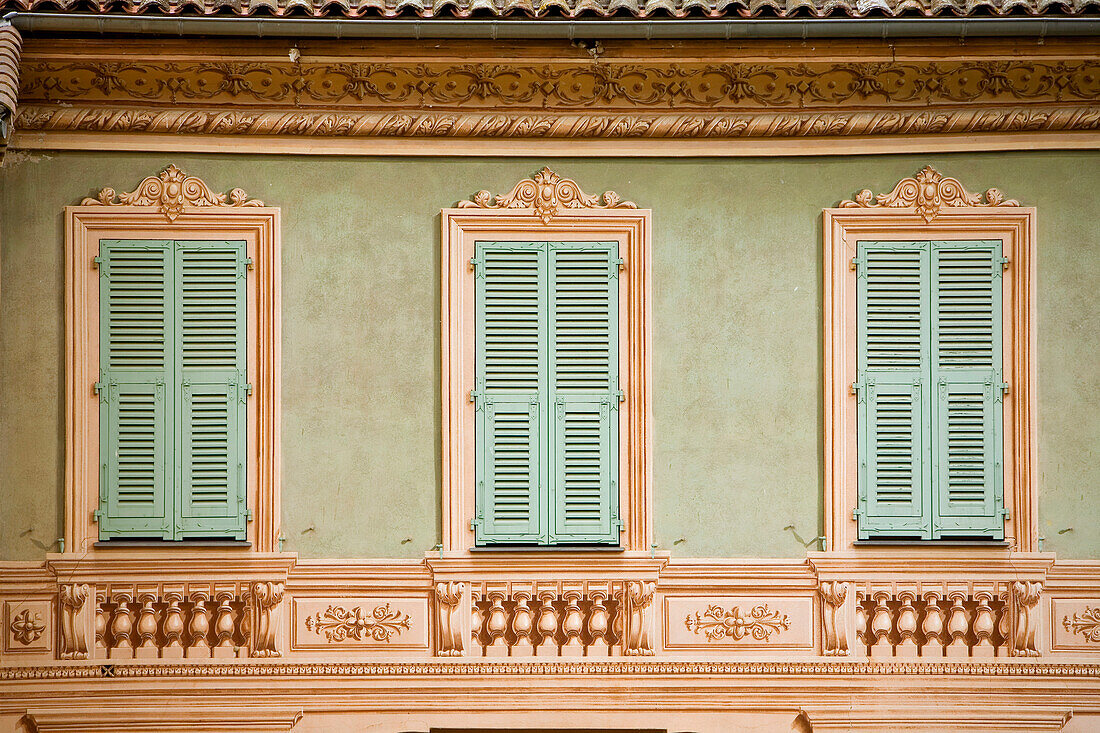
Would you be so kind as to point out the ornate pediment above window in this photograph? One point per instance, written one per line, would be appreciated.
(548, 194)
(171, 191)
(929, 193)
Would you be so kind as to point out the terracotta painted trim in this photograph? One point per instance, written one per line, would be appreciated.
(461, 227)
(559, 148)
(85, 225)
(960, 218)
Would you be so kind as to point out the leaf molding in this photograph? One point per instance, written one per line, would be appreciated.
(171, 191)
(930, 192)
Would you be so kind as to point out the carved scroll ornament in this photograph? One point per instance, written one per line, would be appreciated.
(265, 598)
(929, 193)
(74, 641)
(1025, 599)
(171, 192)
(549, 195)
(835, 637)
(338, 624)
(640, 622)
(448, 599)
(717, 623)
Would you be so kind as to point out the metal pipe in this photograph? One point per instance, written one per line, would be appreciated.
(527, 28)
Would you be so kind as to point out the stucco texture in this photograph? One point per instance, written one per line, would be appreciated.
(737, 356)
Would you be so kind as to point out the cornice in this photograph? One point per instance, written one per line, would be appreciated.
(920, 563)
(561, 100)
(634, 667)
(566, 8)
(128, 566)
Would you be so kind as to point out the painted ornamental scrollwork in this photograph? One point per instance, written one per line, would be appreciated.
(338, 624)
(929, 193)
(717, 623)
(171, 192)
(1086, 623)
(549, 195)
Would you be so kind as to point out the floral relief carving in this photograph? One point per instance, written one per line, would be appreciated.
(27, 627)
(549, 195)
(716, 623)
(171, 192)
(338, 624)
(929, 193)
(1086, 623)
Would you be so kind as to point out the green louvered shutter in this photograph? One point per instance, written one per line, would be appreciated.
(510, 391)
(135, 359)
(894, 411)
(966, 372)
(584, 386)
(211, 389)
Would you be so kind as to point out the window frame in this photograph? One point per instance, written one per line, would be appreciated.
(933, 216)
(197, 219)
(583, 221)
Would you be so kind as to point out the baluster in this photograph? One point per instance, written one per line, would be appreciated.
(198, 630)
(907, 625)
(523, 623)
(477, 648)
(122, 627)
(224, 625)
(1004, 647)
(548, 626)
(173, 626)
(881, 624)
(861, 626)
(984, 625)
(932, 626)
(496, 625)
(100, 625)
(573, 625)
(147, 627)
(958, 624)
(598, 623)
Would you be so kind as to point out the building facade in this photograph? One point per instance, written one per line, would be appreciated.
(552, 367)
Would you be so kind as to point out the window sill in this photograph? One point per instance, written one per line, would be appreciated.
(548, 548)
(932, 543)
(171, 544)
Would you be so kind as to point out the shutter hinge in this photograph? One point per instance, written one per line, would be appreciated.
(1004, 263)
(621, 395)
(476, 522)
(97, 515)
(248, 515)
(96, 262)
(98, 387)
(621, 263)
(475, 264)
(248, 263)
(855, 263)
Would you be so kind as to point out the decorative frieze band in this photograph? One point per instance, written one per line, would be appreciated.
(607, 85)
(609, 100)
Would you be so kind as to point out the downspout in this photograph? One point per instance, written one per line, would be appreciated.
(527, 28)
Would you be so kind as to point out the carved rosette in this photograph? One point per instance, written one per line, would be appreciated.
(171, 192)
(27, 627)
(338, 624)
(1086, 623)
(549, 195)
(929, 193)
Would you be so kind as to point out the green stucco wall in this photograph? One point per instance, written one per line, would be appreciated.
(736, 323)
